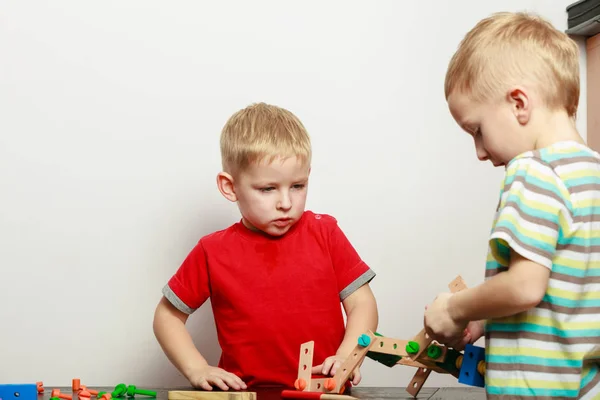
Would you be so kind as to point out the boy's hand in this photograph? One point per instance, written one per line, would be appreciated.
(472, 333)
(207, 376)
(439, 323)
(332, 364)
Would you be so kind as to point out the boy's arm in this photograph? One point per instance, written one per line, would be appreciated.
(361, 315)
(518, 289)
(176, 342)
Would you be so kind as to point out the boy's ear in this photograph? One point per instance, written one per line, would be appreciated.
(225, 185)
(521, 104)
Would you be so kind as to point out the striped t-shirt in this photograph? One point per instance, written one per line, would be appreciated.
(549, 212)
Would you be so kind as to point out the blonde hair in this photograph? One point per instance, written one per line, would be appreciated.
(262, 131)
(508, 48)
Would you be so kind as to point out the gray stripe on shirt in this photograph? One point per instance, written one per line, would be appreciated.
(366, 277)
(176, 301)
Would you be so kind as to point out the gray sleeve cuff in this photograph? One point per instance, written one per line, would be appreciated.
(357, 283)
(176, 301)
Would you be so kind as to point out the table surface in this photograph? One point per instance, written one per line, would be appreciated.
(363, 393)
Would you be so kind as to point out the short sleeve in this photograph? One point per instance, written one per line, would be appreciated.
(189, 287)
(350, 270)
(532, 213)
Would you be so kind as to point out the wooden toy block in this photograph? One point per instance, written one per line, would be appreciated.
(206, 395)
(14, 391)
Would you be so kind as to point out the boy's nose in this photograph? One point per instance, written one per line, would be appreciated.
(482, 154)
(285, 203)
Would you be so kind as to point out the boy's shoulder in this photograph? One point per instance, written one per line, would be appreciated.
(558, 155)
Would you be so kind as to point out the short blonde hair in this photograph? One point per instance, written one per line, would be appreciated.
(510, 48)
(262, 131)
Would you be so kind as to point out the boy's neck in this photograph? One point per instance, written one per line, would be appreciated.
(554, 126)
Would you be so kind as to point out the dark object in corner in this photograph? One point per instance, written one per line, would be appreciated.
(584, 18)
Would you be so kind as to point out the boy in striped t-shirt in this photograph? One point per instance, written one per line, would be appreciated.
(513, 85)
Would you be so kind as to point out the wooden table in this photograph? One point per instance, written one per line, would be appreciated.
(363, 393)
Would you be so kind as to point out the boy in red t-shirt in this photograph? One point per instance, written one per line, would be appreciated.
(275, 278)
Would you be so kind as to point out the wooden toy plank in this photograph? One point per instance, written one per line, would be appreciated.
(316, 385)
(457, 284)
(206, 395)
(387, 345)
(306, 363)
(423, 339)
(356, 357)
(409, 363)
(418, 381)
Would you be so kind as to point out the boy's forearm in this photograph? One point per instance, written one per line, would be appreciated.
(359, 319)
(176, 342)
(503, 295)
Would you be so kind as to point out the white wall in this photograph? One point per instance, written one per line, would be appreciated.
(110, 116)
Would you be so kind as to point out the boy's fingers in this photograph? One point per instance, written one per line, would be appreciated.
(326, 367)
(357, 378)
(232, 383)
(317, 369)
(205, 385)
(219, 382)
(334, 367)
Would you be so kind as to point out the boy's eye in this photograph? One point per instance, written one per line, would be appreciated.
(267, 189)
(299, 186)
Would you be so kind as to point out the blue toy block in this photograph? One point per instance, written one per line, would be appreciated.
(468, 370)
(14, 391)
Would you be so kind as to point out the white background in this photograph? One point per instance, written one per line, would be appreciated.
(110, 115)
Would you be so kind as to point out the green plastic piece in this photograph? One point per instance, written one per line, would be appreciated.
(120, 390)
(54, 398)
(100, 394)
(389, 360)
(132, 391)
(434, 351)
(412, 347)
(364, 340)
(449, 364)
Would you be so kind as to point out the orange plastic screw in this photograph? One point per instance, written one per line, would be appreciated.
(329, 384)
(85, 395)
(40, 387)
(300, 384)
(76, 385)
(57, 393)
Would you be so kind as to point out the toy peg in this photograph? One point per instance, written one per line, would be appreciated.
(40, 386)
(57, 393)
(132, 391)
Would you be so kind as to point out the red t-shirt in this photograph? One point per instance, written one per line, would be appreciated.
(270, 295)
